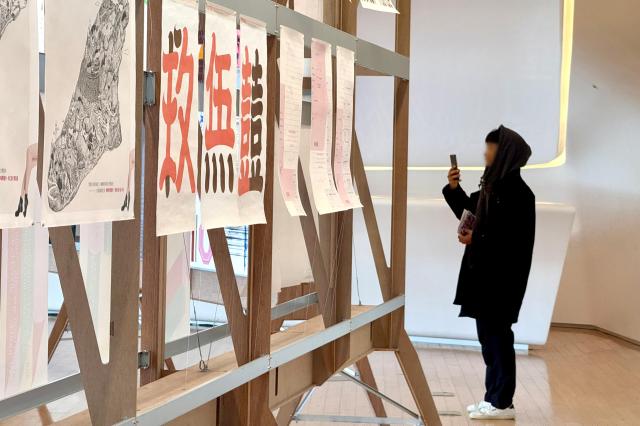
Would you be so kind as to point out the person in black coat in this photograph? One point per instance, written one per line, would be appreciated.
(496, 263)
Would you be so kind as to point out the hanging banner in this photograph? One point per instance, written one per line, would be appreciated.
(178, 286)
(314, 9)
(23, 310)
(379, 5)
(89, 139)
(291, 72)
(178, 134)
(95, 264)
(221, 143)
(345, 74)
(324, 189)
(253, 120)
(19, 110)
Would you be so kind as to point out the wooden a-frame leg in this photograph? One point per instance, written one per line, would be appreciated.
(59, 326)
(366, 375)
(285, 413)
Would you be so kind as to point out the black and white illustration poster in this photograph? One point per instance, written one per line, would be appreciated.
(18, 112)
(89, 152)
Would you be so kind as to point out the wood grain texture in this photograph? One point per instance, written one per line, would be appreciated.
(62, 320)
(366, 375)
(154, 248)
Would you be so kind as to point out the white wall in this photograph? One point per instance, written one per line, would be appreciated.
(601, 278)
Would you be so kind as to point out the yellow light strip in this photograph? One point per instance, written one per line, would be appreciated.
(565, 83)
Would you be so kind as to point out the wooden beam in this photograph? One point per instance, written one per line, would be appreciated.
(366, 375)
(414, 375)
(154, 248)
(399, 178)
(286, 411)
(59, 326)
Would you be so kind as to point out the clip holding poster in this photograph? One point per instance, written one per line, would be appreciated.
(288, 148)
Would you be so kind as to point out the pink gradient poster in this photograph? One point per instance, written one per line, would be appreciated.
(23, 310)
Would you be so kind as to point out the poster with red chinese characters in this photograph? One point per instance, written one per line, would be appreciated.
(288, 145)
(221, 143)
(253, 123)
(345, 74)
(23, 309)
(90, 130)
(18, 111)
(178, 134)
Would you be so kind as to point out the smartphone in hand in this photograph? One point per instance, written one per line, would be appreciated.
(454, 161)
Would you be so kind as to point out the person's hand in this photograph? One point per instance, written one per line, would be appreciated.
(454, 177)
(466, 237)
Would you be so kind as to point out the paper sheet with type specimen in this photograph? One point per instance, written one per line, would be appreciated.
(178, 135)
(221, 146)
(325, 194)
(291, 72)
(253, 120)
(345, 74)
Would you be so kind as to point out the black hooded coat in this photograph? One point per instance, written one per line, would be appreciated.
(495, 267)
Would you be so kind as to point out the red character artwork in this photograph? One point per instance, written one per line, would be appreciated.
(179, 67)
(218, 164)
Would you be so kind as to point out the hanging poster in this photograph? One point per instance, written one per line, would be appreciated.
(95, 264)
(23, 309)
(325, 194)
(291, 72)
(178, 134)
(89, 139)
(18, 110)
(345, 74)
(253, 123)
(221, 143)
(314, 9)
(379, 5)
(178, 286)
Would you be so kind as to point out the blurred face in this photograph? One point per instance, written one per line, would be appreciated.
(490, 153)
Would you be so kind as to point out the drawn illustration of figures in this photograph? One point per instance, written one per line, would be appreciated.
(92, 123)
(9, 11)
(132, 166)
(30, 162)
(179, 66)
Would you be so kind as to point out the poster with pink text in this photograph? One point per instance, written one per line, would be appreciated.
(345, 74)
(288, 145)
(178, 137)
(253, 123)
(18, 111)
(221, 142)
(23, 309)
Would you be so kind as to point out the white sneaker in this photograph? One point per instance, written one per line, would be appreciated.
(492, 413)
(475, 407)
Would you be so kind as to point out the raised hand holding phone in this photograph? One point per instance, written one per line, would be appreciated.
(454, 172)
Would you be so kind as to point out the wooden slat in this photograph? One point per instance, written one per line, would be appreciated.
(286, 411)
(62, 320)
(414, 375)
(399, 178)
(154, 248)
(366, 375)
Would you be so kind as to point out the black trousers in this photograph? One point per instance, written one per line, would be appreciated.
(496, 339)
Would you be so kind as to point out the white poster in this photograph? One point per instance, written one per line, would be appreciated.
(178, 286)
(178, 138)
(253, 120)
(18, 110)
(325, 194)
(345, 73)
(221, 143)
(379, 5)
(314, 9)
(95, 263)
(89, 140)
(291, 72)
(23, 310)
